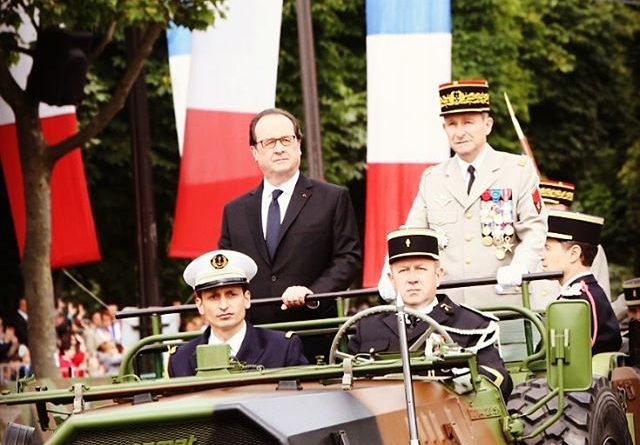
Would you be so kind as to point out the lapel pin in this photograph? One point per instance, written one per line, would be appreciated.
(304, 195)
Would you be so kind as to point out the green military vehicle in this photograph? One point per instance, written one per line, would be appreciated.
(562, 395)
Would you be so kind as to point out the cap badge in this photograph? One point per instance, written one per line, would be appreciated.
(407, 242)
(219, 261)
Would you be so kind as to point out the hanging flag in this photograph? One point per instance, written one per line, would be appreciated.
(232, 77)
(408, 56)
(179, 44)
(73, 234)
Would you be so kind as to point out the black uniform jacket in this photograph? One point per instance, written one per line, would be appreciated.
(265, 347)
(318, 247)
(608, 338)
(380, 333)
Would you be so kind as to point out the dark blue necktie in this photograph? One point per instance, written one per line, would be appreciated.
(273, 223)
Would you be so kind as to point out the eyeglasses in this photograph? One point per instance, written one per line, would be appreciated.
(270, 143)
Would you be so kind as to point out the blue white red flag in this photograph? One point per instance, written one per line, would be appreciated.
(408, 56)
(232, 76)
(73, 233)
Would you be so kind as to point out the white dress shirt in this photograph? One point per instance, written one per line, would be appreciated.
(464, 165)
(234, 342)
(283, 200)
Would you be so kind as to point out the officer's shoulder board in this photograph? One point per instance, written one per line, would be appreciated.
(428, 171)
(479, 312)
(523, 160)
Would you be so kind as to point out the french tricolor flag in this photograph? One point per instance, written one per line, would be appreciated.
(232, 76)
(408, 56)
(73, 239)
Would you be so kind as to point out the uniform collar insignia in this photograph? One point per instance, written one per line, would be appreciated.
(572, 291)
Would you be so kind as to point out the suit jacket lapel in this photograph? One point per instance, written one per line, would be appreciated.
(249, 349)
(487, 175)
(454, 181)
(301, 195)
(253, 208)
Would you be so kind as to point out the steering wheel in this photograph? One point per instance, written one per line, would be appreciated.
(434, 326)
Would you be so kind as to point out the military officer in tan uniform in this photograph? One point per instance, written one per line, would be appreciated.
(484, 204)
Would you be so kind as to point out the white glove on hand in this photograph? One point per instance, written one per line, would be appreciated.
(509, 277)
(385, 287)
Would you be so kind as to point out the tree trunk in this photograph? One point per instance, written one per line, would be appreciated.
(36, 264)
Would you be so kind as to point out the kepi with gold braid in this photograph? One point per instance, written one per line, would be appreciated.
(557, 192)
(574, 226)
(406, 243)
(219, 268)
(464, 96)
(631, 289)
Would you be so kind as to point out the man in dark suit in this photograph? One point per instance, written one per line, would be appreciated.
(219, 280)
(571, 246)
(415, 275)
(301, 232)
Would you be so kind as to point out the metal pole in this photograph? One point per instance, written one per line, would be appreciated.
(309, 89)
(147, 237)
(406, 372)
(340, 294)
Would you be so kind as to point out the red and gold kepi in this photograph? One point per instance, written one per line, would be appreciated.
(557, 192)
(631, 290)
(464, 96)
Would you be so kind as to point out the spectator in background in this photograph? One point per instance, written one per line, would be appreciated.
(20, 322)
(8, 342)
(110, 357)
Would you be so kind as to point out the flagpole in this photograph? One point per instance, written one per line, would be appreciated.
(524, 142)
(309, 90)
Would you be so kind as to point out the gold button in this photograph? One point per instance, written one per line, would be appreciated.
(467, 260)
(468, 215)
(468, 238)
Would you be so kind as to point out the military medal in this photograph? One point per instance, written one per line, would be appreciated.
(507, 245)
(508, 230)
(500, 254)
(487, 241)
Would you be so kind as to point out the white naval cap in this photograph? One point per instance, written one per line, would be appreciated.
(219, 268)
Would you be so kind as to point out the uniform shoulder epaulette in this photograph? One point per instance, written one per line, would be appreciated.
(289, 334)
(523, 160)
(428, 170)
(479, 312)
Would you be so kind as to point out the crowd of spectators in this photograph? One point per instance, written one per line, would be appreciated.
(88, 344)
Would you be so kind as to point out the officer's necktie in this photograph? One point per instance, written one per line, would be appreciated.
(273, 223)
(472, 177)
(412, 321)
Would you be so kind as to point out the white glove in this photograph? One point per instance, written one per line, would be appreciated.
(385, 287)
(509, 277)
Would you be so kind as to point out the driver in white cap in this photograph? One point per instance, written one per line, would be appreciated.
(219, 280)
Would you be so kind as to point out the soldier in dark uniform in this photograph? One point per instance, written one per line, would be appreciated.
(415, 274)
(219, 280)
(571, 246)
